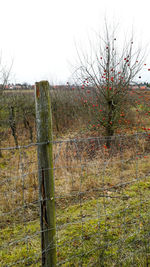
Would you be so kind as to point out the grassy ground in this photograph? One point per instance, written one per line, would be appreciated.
(102, 195)
(102, 204)
(117, 236)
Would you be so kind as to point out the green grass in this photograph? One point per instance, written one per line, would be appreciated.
(114, 230)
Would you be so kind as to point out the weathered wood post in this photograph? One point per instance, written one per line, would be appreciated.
(45, 174)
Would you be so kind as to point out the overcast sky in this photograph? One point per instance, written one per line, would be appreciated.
(40, 35)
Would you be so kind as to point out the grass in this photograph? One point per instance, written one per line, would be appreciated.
(119, 234)
(102, 195)
(106, 225)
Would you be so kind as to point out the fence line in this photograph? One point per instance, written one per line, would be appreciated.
(102, 138)
(101, 200)
(99, 217)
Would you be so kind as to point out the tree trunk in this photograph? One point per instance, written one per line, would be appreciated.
(109, 134)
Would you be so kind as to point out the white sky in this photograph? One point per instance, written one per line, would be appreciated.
(40, 35)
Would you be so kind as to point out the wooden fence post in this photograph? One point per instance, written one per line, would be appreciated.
(45, 174)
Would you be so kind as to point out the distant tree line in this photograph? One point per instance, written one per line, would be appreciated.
(16, 86)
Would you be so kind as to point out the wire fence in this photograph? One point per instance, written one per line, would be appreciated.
(101, 193)
(101, 199)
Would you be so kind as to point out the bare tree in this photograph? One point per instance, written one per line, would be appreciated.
(4, 78)
(5, 72)
(109, 72)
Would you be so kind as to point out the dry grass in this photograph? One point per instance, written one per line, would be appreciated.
(87, 174)
(78, 167)
(86, 167)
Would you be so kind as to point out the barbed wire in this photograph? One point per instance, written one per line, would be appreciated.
(74, 140)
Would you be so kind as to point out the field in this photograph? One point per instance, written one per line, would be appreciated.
(101, 194)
